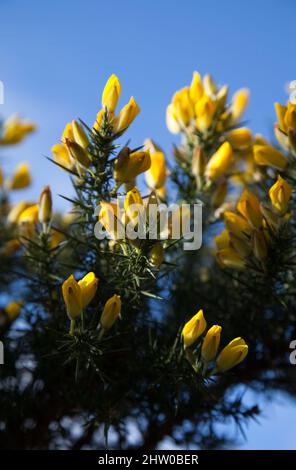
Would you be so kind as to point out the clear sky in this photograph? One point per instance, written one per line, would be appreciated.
(55, 57)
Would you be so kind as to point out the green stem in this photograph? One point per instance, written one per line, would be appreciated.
(72, 328)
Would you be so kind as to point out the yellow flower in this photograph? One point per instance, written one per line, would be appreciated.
(259, 245)
(272, 219)
(239, 103)
(156, 175)
(193, 329)
(109, 217)
(78, 153)
(55, 238)
(229, 258)
(21, 178)
(241, 246)
(10, 247)
(99, 120)
(222, 240)
(205, 110)
(61, 156)
(156, 254)
(1, 177)
(281, 112)
(72, 297)
(126, 116)
(290, 117)
(16, 211)
(67, 133)
(133, 198)
(129, 165)
(220, 194)
(79, 134)
(111, 312)
(12, 310)
(240, 138)
(45, 206)
(29, 215)
(171, 120)
(233, 354)
(15, 130)
(196, 88)
(236, 224)
(211, 343)
(88, 286)
(249, 207)
(209, 85)
(219, 162)
(266, 155)
(280, 194)
(111, 93)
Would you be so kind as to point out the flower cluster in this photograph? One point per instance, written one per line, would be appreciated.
(205, 353)
(252, 229)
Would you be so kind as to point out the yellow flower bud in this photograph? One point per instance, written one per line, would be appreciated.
(242, 247)
(21, 178)
(88, 286)
(111, 93)
(222, 240)
(281, 112)
(133, 198)
(29, 215)
(16, 211)
(236, 224)
(156, 175)
(80, 135)
(45, 206)
(239, 103)
(72, 297)
(240, 138)
(129, 165)
(55, 238)
(61, 156)
(221, 98)
(111, 312)
(156, 254)
(233, 354)
(266, 155)
(99, 120)
(171, 120)
(205, 110)
(249, 207)
(109, 217)
(259, 245)
(198, 164)
(15, 130)
(280, 194)
(13, 310)
(126, 116)
(193, 329)
(220, 194)
(220, 162)
(209, 85)
(10, 247)
(78, 153)
(290, 117)
(229, 258)
(272, 219)
(196, 88)
(67, 133)
(211, 343)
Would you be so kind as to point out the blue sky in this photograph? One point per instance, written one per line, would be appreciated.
(56, 56)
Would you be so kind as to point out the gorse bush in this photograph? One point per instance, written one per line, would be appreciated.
(103, 345)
